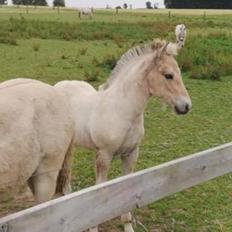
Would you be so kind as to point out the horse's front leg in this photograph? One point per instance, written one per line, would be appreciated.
(103, 160)
(128, 165)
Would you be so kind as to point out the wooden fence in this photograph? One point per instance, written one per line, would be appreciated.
(89, 207)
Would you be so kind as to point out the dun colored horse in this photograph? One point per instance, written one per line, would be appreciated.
(110, 121)
(36, 138)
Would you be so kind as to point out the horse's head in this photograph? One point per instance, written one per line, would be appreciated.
(164, 76)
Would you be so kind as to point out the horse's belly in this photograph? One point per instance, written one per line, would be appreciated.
(83, 137)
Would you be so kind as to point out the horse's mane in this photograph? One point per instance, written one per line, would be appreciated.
(135, 52)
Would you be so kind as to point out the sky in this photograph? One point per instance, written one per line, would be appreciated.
(112, 3)
(103, 3)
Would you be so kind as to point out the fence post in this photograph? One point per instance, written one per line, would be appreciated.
(204, 15)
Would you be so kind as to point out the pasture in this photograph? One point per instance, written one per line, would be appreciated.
(51, 46)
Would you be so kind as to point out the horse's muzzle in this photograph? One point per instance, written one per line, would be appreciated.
(183, 107)
(182, 111)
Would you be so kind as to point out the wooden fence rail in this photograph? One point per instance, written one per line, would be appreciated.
(89, 207)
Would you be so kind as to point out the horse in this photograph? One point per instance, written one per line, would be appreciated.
(110, 121)
(86, 12)
(36, 131)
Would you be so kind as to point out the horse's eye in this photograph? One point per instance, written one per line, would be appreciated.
(168, 76)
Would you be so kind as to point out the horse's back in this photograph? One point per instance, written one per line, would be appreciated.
(35, 125)
(15, 82)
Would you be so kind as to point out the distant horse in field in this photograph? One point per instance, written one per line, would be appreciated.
(110, 121)
(36, 131)
(86, 12)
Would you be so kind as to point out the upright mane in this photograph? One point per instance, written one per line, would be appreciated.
(133, 53)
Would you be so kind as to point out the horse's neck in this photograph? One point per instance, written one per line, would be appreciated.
(130, 91)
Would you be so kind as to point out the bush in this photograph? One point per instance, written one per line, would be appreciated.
(36, 47)
(83, 51)
(109, 61)
(64, 57)
(119, 40)
(185, 62)
(205, 72)
(95, 61)
(91, 76)
(67, 36)
(27, 28)
(207, 57)
(8, 39)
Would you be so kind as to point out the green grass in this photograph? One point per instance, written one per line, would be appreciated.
(48, 46)
(129, 28)
(54, 61)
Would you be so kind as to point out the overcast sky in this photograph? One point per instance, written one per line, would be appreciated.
(103, 3)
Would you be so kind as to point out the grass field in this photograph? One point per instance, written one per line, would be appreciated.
(51, 47)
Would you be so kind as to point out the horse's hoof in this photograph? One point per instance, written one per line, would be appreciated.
(128, 227)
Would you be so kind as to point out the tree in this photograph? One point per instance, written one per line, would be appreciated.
(58, 3)
(125, 6)
(2, 2)
(149, 5)
(40, 3)
(198, 4)
(16, 2)
(22, 2)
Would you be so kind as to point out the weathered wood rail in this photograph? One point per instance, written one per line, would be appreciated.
(89, 207)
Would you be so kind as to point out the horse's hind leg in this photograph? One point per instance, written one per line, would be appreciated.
(44, 186)
(43, 181)
(128, 163)
(103, 160)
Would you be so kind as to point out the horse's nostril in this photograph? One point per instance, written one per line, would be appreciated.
(183, 109)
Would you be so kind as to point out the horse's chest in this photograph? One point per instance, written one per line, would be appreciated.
(131, 141)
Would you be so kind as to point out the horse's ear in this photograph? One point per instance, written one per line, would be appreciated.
(180, 35)
(173, 48)
(160, 46)
(164, 49)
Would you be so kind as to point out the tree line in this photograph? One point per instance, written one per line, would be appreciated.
(35, 2)
(198, 4)
(150, 5)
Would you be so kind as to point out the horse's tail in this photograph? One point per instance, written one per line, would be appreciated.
(63, 183)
